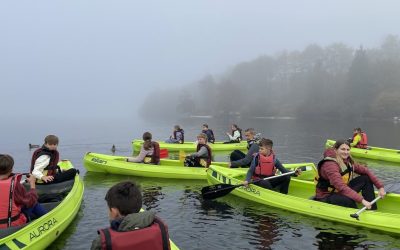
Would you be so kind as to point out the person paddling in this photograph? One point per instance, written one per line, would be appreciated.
(337, 182)
(265, 164)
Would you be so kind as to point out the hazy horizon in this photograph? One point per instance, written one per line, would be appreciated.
(98, 59)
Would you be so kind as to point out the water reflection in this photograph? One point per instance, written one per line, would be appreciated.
(267, 230)
(151, 196)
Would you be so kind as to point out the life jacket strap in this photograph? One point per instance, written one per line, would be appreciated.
(14, 218)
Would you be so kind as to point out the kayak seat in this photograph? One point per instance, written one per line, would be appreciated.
(4, 232)
(50, 205)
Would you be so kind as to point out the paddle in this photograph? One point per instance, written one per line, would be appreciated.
(182, 155)
(357, 214)
(393, 187)
(219, 190)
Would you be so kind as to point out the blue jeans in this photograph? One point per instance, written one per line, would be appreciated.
(34, 212)
(171, 140)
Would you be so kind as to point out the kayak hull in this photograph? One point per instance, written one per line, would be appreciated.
(117, 165)
(173, 169)
(373, 153)
(386, 218)
(191, 146)
(41, 232)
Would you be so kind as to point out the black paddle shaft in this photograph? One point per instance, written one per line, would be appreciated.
(219, 190)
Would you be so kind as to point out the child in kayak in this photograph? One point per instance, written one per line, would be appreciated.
(149, 152)
(209, 133)
(360, 139)
(130, 228)
(203, 155)
(235, 136)
(240, 159)
(44, 163)
(264, 165)
(337, 184)
(24, 204)
(178, 135)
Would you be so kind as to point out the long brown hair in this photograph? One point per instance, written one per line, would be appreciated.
(339, 159)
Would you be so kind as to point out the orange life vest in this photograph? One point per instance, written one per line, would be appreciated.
(265, 166)
(10, 213)
(364, 141)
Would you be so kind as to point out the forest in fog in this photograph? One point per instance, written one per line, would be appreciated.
(332, 82)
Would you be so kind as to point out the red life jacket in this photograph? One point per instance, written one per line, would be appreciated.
(265, 166)
(155, 158)
(154, 237)
(364, 141)
(10, 213)
(51, 169)
(208, 159)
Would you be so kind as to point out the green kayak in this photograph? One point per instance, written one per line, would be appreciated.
(386, 218)
(174, 169)
(191, 146)
(374, 153)
(173, 246)
(41, 232)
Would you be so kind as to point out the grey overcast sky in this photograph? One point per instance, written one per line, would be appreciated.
(100, 58)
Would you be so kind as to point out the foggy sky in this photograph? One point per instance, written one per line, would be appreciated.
(86, 59)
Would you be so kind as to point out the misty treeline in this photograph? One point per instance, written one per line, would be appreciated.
(333, 82)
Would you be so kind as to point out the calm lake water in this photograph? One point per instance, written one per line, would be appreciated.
(225, 223)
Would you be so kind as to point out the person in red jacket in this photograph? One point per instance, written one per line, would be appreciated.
(23, 203)
(337, 183)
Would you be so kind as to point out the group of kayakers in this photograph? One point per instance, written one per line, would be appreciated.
(178, 134)
(127, 226)
(339, 179)
(18, 205)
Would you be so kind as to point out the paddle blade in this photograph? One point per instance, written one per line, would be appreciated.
(215, 191)
(182, 155)
(163, 153)
(354, 216)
